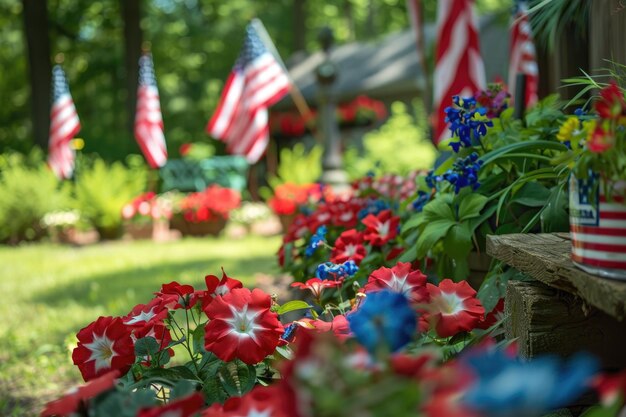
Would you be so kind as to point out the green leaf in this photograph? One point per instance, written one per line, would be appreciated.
(471, 206)
(292, 306)
(416, 220)
(432, 233)
(197, 336)
(237, 378)
(538, 145)
(213, 390)
(146, 346)
(532, 194)
(458, 241)
(183, 388)
(439, 209)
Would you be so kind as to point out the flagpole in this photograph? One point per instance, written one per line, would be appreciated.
(294, 91)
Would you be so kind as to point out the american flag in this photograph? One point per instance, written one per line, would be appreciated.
(255, 83)
(148, 119)
(64, 124)
(459, 68)
(523, 58)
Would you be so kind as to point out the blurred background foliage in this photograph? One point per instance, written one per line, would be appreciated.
(194, 43)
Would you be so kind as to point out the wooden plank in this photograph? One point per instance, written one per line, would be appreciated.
(546, 258)
(546, 320)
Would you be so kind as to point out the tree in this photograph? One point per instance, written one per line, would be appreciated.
(38, 49)
(131, 15)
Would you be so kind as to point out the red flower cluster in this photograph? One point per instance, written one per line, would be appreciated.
(360, 111)
(288, 197)
(214, 202)
(391, 186)
(146, 206)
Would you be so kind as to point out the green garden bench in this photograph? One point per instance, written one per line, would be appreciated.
(195, 175)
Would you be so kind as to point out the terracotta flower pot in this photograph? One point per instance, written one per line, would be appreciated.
(211, 228)
(598, 228)
(139, 231)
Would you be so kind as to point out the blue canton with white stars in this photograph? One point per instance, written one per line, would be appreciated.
(253, 48)
(146, 71)
(59, 83)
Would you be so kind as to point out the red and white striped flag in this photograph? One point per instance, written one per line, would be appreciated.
(64, 124)
(256, 82)
(148, 119)
(459, 68)
(523, 57)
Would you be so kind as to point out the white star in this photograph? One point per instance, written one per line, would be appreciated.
(142, 316)
(243, 322)
(102, 352)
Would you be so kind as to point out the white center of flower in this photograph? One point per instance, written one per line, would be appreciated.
(221, 289)
(383, 228)
(350, 250)
(257, 413)
(399, 284)
(142, 316)
(448, 304)
(243, 322)
(102, 352)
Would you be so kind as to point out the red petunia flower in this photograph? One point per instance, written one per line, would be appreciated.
(260, 402)
(216, 286)
(601, 140)
(381, 228)
(611, 104)
(153, 312)
(242, 326)
(316, 286)
(182, 407)
(70, 402)
(400, 279)
(610, 387)
(344, 213)
(413, 366)
(453, 308)
(348, 246)
(175, 295)
(339, 326)
(103, 346)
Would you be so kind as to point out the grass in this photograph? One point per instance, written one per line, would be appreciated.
(49, 292)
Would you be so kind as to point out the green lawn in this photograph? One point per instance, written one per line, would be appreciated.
(49, 292)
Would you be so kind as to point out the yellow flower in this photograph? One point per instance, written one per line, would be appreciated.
(569, 129)
(589, 126)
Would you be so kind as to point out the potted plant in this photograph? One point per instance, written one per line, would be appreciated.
(206, 212)
(597, 157)
(143, 215)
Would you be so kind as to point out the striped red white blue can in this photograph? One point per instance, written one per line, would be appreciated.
(597, 229)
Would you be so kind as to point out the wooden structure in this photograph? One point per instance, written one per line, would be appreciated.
(561, 309)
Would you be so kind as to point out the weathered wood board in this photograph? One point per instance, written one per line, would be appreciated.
(546, 320)
(546, 258)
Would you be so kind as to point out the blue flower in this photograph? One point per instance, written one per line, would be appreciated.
(372, 207)
(316, 240)
(464, 172)
(464, 124)
(507, 387)
(336, 271)
(384, 320)
(420, 201)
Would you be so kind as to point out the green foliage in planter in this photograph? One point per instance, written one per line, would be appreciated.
(520, 191)
(102, 191)
(28, 191)
(399, 146)
(297, 165)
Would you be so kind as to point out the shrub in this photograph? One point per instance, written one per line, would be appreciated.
(398, 147)
(102, 191)
(29, 190)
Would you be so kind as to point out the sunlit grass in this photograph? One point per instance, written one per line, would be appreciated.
(49, 292)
